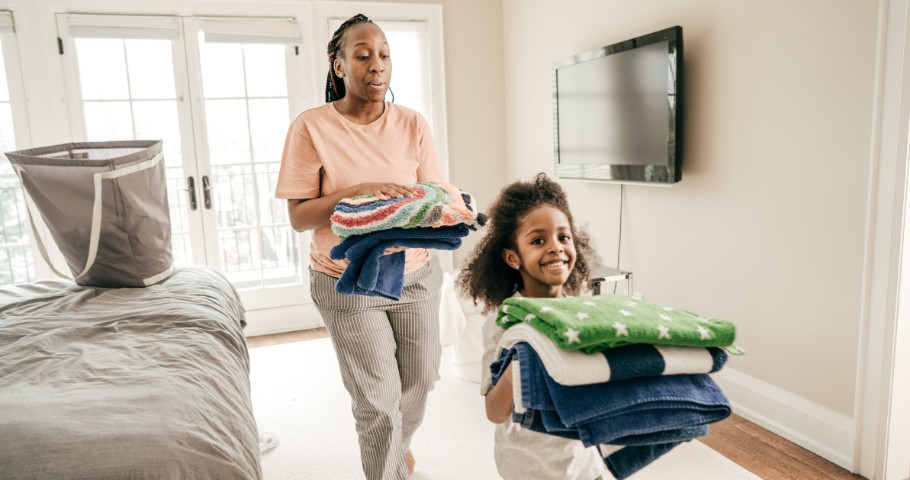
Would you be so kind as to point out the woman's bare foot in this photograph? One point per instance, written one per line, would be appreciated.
(409, 460)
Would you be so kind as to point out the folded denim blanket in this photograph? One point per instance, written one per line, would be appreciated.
(574, 367)
(630, 454)
(436, 204)
(623, 455)
(606, 413)
(594, 323)
(533, 420)
(628, 460)
(371, 272)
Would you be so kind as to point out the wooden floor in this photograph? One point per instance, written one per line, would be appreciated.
(764, 453)
(767, 454)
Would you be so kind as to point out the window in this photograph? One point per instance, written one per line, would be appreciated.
(17, 262)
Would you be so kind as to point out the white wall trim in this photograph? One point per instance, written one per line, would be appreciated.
(885, 228)
(826, 433)
(282, 319)
(892, 459)
(453, 319)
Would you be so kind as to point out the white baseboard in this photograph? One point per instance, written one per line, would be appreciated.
(822, 431)
(282, 319)
(291, 318)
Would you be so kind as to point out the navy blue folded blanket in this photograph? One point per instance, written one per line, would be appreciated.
(371, 272)
(605, 413)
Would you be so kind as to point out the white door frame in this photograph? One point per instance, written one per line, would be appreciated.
(881, 449)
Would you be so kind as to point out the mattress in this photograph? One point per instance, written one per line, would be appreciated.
(122, 383)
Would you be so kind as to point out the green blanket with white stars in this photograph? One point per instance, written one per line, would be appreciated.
(594, 323)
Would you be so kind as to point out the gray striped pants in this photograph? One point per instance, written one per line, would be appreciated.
(389, 355)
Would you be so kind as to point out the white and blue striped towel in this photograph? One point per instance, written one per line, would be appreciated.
(574, 367)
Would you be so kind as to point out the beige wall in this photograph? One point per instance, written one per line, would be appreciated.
(767, 227)
(475, 88)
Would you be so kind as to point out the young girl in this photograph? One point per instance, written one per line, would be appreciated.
(532, 249)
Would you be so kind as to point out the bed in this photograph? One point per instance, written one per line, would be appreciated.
(126, 383)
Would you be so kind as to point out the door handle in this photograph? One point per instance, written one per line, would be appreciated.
(191, 189)
(206, 192)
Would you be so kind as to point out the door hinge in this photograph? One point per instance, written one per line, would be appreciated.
(60, 45)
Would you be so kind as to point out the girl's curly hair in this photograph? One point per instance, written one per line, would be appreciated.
(485, 277)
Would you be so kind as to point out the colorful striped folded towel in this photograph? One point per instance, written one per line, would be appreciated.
(593, 323)
(435, 205)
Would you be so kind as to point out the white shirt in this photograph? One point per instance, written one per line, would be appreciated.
(521, 453)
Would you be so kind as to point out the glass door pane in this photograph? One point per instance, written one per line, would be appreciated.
(245, 94)
(17, 264)
(410, 66)
(16, 261)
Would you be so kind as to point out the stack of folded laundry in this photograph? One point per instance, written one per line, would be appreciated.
(617, 372)
(437, 217)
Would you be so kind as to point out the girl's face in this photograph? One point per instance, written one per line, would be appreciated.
(545, 252)
(365, 63)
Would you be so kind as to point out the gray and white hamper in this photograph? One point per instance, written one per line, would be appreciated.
(105, 205)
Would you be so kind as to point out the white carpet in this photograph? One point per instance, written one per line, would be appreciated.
(299, 400)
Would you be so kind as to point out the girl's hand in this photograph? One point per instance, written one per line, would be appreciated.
(506, 377)
(499, 399)
(392, 250)
(384, 190)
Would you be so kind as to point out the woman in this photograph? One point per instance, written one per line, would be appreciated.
(357, 143)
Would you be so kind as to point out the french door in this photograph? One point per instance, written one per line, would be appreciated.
(220, 93)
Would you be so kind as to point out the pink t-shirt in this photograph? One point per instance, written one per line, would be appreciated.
(325, 152)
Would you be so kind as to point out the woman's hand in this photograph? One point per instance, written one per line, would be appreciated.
(308, 214)
(384, 190)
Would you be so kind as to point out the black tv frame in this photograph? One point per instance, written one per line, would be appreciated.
(665, 173)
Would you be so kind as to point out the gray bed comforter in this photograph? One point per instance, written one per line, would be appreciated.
(147, 383)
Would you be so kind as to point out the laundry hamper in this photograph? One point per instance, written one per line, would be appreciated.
(105, 206)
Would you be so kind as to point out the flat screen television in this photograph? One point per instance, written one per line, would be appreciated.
(617, 111)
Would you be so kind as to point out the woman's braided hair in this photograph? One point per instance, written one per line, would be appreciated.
(334, 85)
(485, 277)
